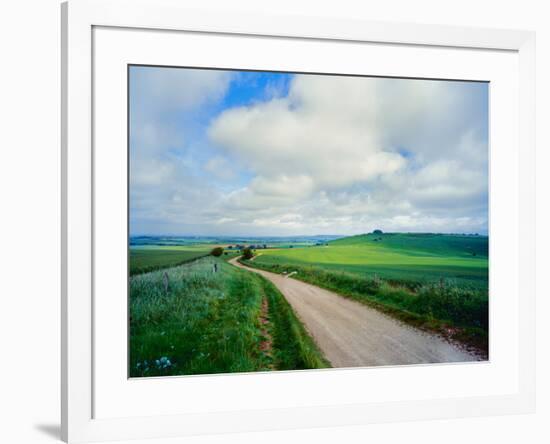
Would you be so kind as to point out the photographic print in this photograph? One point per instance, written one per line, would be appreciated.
(296, 221)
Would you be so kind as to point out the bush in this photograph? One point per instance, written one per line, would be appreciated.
(460, 305)
(218, 251)
(247, 253)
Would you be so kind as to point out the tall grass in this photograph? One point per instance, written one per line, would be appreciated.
(197, 321)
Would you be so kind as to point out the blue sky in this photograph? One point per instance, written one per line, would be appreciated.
(255, 153)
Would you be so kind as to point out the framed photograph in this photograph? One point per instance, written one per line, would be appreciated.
(275, 222)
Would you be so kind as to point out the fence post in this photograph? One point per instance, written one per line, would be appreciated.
(165, 280)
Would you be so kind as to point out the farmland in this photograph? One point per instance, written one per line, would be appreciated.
(197, 319)
(188, 318)
(420, 258)
(150, 253)
(151, 258)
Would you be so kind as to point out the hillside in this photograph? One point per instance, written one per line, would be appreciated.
(406, 257)
(422, 243)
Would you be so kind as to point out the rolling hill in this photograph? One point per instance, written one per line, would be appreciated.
(413, 257)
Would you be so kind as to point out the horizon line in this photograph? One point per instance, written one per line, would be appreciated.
(467, 233)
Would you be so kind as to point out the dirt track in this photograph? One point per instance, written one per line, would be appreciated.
(351, 334)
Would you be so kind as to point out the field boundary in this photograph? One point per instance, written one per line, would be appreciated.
(152, 269)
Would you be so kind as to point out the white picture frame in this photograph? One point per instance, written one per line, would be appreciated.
(81, 379)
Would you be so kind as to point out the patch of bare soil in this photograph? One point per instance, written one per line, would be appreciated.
(266, 345)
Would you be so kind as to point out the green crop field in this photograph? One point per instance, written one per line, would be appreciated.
(149, 258)
(421, 258)
(197, 319)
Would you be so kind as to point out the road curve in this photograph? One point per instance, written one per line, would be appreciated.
(351, 334)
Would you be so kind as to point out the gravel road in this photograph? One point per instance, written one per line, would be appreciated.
(351, 334)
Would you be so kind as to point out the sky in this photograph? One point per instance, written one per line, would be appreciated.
(227, 153)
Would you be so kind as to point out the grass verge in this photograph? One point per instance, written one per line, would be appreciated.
(294, 348)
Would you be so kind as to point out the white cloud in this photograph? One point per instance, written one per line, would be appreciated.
(157, 95)
(324, 130)
(381, 151)
(165, 189)
(166, 89)
(220, 167)
(335, 155)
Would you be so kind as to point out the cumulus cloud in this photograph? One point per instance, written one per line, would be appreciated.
(325, 130)
(390, 152)
(164, 159)
(164, 89)
(325, 154)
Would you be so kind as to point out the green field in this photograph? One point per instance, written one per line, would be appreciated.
(436, 282)
(144, 259)
(187, 319)
(190, 319)
(409, 258)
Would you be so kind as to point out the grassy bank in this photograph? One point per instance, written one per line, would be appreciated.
(456, 312)
(197, 321)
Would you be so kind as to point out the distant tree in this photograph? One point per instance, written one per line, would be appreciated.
(218, 251)
(247, 253)
(377, 232)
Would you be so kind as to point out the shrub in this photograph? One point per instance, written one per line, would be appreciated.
(247, 253)
(218, 251)
(460, 305)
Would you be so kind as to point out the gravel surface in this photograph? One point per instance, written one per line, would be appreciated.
(351, 334)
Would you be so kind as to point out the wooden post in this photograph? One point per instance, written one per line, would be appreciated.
(165, 280)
